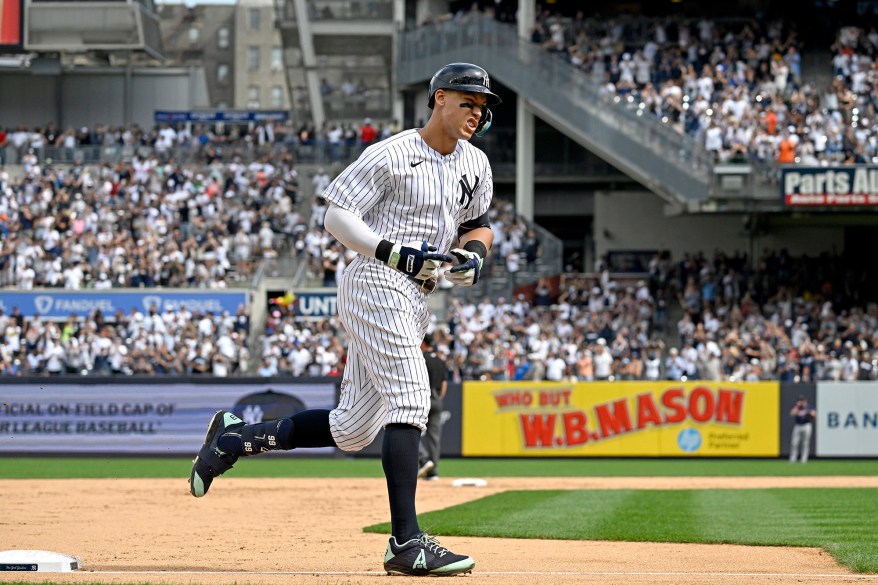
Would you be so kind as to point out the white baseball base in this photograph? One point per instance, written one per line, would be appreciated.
(469, 482)
(38, 560)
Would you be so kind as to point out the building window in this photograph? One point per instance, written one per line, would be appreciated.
(222, 38)
(255, 18)
(193, 36)
(253, 97)
(222, 73)
(252, 58)
(277, 96)
(277, 58)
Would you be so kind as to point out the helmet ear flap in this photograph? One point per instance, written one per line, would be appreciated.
(484, 122)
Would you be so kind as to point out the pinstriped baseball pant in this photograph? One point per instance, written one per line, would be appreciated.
(385, 379)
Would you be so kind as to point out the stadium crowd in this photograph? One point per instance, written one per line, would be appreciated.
(171, 342)
(145, 223)
(186, 142)
(791, 319)
(153, 221)
(737, 87)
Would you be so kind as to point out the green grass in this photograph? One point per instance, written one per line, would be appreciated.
(113, 467)
(839, 520)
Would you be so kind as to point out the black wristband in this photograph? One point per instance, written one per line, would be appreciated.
(382, 252)
(478, 247)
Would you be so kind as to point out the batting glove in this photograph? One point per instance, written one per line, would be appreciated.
(469, 265)
(417, 259)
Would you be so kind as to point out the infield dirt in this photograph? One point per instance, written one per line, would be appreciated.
(246, 529)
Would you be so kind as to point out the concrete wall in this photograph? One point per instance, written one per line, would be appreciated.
(626, 220)
(89, 97)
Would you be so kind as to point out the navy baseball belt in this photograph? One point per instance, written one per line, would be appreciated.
(427, 286)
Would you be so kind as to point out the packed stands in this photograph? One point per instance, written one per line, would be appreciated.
(736, 86)
(151, 343)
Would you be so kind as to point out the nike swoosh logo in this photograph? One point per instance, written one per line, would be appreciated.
(414, 163)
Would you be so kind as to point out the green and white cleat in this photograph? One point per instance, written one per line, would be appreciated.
(211, 462)
(424, 556)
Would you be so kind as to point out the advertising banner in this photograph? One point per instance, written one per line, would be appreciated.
(60, 304)
(829, 186)
(11, 19)
(847, 419)
(667, 418)
(316, 303)
(161, 418)
(214, 116)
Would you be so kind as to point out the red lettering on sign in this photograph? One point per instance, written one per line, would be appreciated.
(555, 398)
(538, 429)
(613, 418)
(507, 399)
(673, 400)
(575, 428)
(701, 404)
(729, 406)
(647, 412)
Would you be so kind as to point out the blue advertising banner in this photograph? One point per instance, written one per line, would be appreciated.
(155, 417)
(229, 116)
(316, 303)
(60, 304)
(829, 186)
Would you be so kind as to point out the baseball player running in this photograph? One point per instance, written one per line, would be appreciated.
(400, 206)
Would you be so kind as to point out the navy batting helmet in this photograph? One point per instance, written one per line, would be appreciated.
(465, 77)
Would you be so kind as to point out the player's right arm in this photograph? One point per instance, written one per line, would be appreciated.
(354, 192)
(415, 259)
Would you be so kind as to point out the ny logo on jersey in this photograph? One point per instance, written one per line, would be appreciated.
(466, 192)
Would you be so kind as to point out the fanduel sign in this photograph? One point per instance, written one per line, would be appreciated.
(61, 304)
(818, 186)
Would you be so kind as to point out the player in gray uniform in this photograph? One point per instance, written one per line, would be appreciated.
(401, 206)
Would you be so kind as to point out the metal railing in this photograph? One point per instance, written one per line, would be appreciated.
(350, 10)
(670, 163)
(318, 152)
(320, 10)
(498, 282)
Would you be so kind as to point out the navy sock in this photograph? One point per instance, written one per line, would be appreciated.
(399, 457)
(311, 429)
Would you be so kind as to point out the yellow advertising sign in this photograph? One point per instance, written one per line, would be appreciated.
(665, 418)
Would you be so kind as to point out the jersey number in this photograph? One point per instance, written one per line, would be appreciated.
(466, 192)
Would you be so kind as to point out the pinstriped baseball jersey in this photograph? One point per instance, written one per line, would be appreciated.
(404, 191)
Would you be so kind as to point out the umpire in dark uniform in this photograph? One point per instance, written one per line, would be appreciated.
(431, 440)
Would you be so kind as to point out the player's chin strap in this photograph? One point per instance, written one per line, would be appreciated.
(484, 122)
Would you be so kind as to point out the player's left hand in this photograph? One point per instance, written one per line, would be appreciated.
(469, 266)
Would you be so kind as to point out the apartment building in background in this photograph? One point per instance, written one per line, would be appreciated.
(260, 82)
(202, 35)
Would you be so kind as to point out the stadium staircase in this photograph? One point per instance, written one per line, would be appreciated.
(673, 166)
(817, 68)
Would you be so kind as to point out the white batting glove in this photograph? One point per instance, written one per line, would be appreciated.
(417, 259)
(469, 266)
